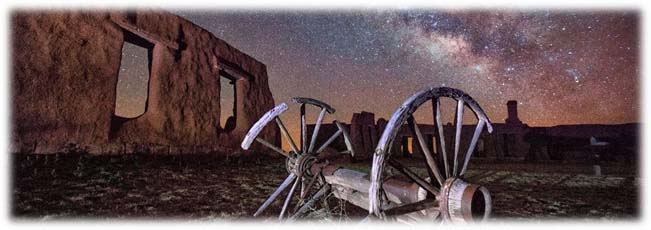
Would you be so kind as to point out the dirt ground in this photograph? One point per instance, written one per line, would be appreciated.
(209, 188)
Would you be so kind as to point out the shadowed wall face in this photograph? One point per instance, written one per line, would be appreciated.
(79, 84)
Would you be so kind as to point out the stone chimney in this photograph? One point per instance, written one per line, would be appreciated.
(512, 119)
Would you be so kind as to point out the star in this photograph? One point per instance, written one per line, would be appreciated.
(550, 61)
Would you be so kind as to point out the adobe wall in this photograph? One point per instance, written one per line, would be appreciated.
(363, 134)
(65, 69)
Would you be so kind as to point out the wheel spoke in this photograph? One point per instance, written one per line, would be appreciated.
(441, 135)
(457, 138)
(273, 196)
(413, 207)
(349, 145)
(289, 196)
(305, 207)
(303, 129)
(471, 148)
(311, 183)
(432, 169)
(412, 176)
(271, 146)
(302, 190)
(285, 133)
(315, 132)
(329, 141)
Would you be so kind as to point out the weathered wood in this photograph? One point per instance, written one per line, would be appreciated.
(398, 191)
(399, 118)
(376, 182)
(412, 176)
(288, 199)
(360, 199)
(389, 196)
(260, 124)
(350, 179)
(347, 140)
(150, 37)
(285, 133)
(437, 137)
(357, 198)
(315, 132)
(310, 184)
(329, 141)
(304, 149)
(432, 167)
(441, 136)
(473, 142)
(458, 201)
(303, 129)
(271, 146)
(275, 194)
(324, 190)
(457, 137)
(413, 207)
(315, 102)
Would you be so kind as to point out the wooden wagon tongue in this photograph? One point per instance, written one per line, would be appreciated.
(459, 201)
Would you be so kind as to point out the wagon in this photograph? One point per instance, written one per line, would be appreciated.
(392, 191)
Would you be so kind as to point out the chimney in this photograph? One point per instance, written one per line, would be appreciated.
(512, 108)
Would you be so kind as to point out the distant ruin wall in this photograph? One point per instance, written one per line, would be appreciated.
(510, 141)
(363, 134)
(65, 69)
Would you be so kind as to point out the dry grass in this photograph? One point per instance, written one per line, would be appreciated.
(205, 187)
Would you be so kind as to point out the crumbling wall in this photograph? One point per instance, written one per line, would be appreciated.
(363, 134)
(65, 70)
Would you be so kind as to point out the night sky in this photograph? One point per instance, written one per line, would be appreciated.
(131, 90)
(563, 67)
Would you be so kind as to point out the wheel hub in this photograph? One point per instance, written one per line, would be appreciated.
(300, 163)
(464, 202)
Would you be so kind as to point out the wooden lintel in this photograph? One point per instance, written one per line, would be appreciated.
(233, 71)
(144, 34)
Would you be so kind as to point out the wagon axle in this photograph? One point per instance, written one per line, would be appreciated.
(458, 202)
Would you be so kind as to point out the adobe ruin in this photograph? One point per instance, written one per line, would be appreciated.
(65, 70)
(512, 140)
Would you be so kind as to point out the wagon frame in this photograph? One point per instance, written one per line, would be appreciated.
(443, 196)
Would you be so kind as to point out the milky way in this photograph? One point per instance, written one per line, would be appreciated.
(563, 67)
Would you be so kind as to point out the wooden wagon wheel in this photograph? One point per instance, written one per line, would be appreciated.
(302, 163)
(447, 193)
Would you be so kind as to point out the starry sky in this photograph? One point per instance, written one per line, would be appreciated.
(131, 89)
(563, 67)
